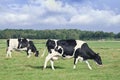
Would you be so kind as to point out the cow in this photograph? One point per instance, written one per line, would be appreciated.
(21, 44)
(77, 49)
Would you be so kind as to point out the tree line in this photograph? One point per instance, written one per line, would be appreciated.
(57, 34)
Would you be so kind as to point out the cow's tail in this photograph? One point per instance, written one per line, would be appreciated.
(44, 52)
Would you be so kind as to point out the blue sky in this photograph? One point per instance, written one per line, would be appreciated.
(92, 15)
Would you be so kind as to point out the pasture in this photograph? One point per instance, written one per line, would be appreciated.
(19, 67)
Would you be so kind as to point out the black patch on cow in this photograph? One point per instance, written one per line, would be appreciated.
(68, 46)
(50, 45)
(60, 51)
(85, 52)
(70, 42)
(24, 43)
(19, 39)
(19, 42)
(32, 46)
(8, 42)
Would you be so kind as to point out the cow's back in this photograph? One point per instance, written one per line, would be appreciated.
(67, 43)
(79, 44)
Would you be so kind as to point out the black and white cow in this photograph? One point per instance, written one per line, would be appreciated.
(21, 44)
(77, 49)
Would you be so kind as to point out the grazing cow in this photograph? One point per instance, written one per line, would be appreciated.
(21, 44)
(77, 49)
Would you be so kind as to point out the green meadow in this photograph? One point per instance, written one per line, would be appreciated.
(19, 67)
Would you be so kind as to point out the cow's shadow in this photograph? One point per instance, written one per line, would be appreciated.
(41, 67)
(34, 67)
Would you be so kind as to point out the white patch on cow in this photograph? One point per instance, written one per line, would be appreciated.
(28, 40)
(55, 53)
(13, 44)
(80, 58)
(55, 58)
(29, 53)
(68, 57)
(59, 47)
(55, 43)
(79, 44)
(50, 56)
(22, 49)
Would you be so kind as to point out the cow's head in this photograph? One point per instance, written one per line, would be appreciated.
(36, 53)
(98, 59)
(51, 44)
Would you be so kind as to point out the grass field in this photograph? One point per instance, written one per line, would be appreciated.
(19, 67)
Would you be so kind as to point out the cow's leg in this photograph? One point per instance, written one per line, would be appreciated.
(28, 53)
(8, 53)
(52, 64)
(75, 62)
(88, 65)
(49, 56)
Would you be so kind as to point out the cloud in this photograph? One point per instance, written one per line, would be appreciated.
(94, 17)
(57, 13)
(14, 18)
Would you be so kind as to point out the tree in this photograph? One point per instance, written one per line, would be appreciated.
(57, 34)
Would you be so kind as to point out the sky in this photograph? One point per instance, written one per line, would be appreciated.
(90, 15)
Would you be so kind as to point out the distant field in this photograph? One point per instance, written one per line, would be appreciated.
(19, 67)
